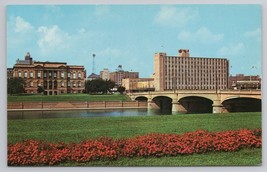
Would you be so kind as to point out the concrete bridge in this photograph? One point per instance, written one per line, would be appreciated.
(202, 101)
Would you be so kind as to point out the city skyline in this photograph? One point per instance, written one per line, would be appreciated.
(130, 35)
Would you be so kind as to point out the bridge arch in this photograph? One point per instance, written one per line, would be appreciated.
(163, 103)
(242, 104)
(141, 98)
(196, 104)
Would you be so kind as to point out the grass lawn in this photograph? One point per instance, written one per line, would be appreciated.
(245, 157)
(78, 129)
(67, 97)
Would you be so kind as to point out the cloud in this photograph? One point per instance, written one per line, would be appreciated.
(202, 35)
(232, 49)
(171, 16)
(51, 37)
(21, 25)
(256, 34)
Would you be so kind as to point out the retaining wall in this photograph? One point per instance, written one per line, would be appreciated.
(74, 105)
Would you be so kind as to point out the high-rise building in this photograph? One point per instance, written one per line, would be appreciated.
(104, 74)
(55, 77)
(185, 72)
(120, 74)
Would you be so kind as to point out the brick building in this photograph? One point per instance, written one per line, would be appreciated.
(185, 72)
(120, 74)
(55, 77)
(240, 81)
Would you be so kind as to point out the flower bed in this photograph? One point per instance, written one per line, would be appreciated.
(32, 152)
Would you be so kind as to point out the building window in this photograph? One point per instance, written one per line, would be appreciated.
(31, 74)
(25, 74)
(74, 84)
(38, 84)
(79, 75)
(55, 74)
(62, 83)
(44, 74)
(79, 84)
(19, 74)
(55, 84)
(45, 84)
(62, 74)
(68, 75)
(39, 74)
(74, 75)
(68, 83)
(50, 84)
(31, 84)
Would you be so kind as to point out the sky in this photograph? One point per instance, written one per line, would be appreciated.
(130, 35)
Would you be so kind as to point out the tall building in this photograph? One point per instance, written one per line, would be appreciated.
(104, 74)
(185, 72)
(120, 74)
(55, 77)
(241, 81)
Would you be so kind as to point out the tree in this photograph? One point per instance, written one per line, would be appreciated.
(15, 86)
(121, 89)
(99, 86)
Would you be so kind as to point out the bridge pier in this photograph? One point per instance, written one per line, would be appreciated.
(217, 107)
(152, 105)
(178, 108)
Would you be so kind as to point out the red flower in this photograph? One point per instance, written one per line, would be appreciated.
(32, 152)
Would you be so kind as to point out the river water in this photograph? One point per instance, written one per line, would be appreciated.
(12, 115)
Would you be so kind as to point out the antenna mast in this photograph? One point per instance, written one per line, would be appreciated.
(93, 70)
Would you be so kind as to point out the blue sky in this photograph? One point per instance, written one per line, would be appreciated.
(129, 35)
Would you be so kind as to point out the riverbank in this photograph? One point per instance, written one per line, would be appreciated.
(67, 97)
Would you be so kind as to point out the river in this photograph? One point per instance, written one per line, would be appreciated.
(13, 115)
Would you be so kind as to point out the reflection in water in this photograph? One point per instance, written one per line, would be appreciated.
(80, 113)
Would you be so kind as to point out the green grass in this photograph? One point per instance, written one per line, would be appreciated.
(78, 129)
(67, 97)
(245, 157)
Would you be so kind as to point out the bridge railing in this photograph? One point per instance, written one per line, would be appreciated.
(199, 91)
